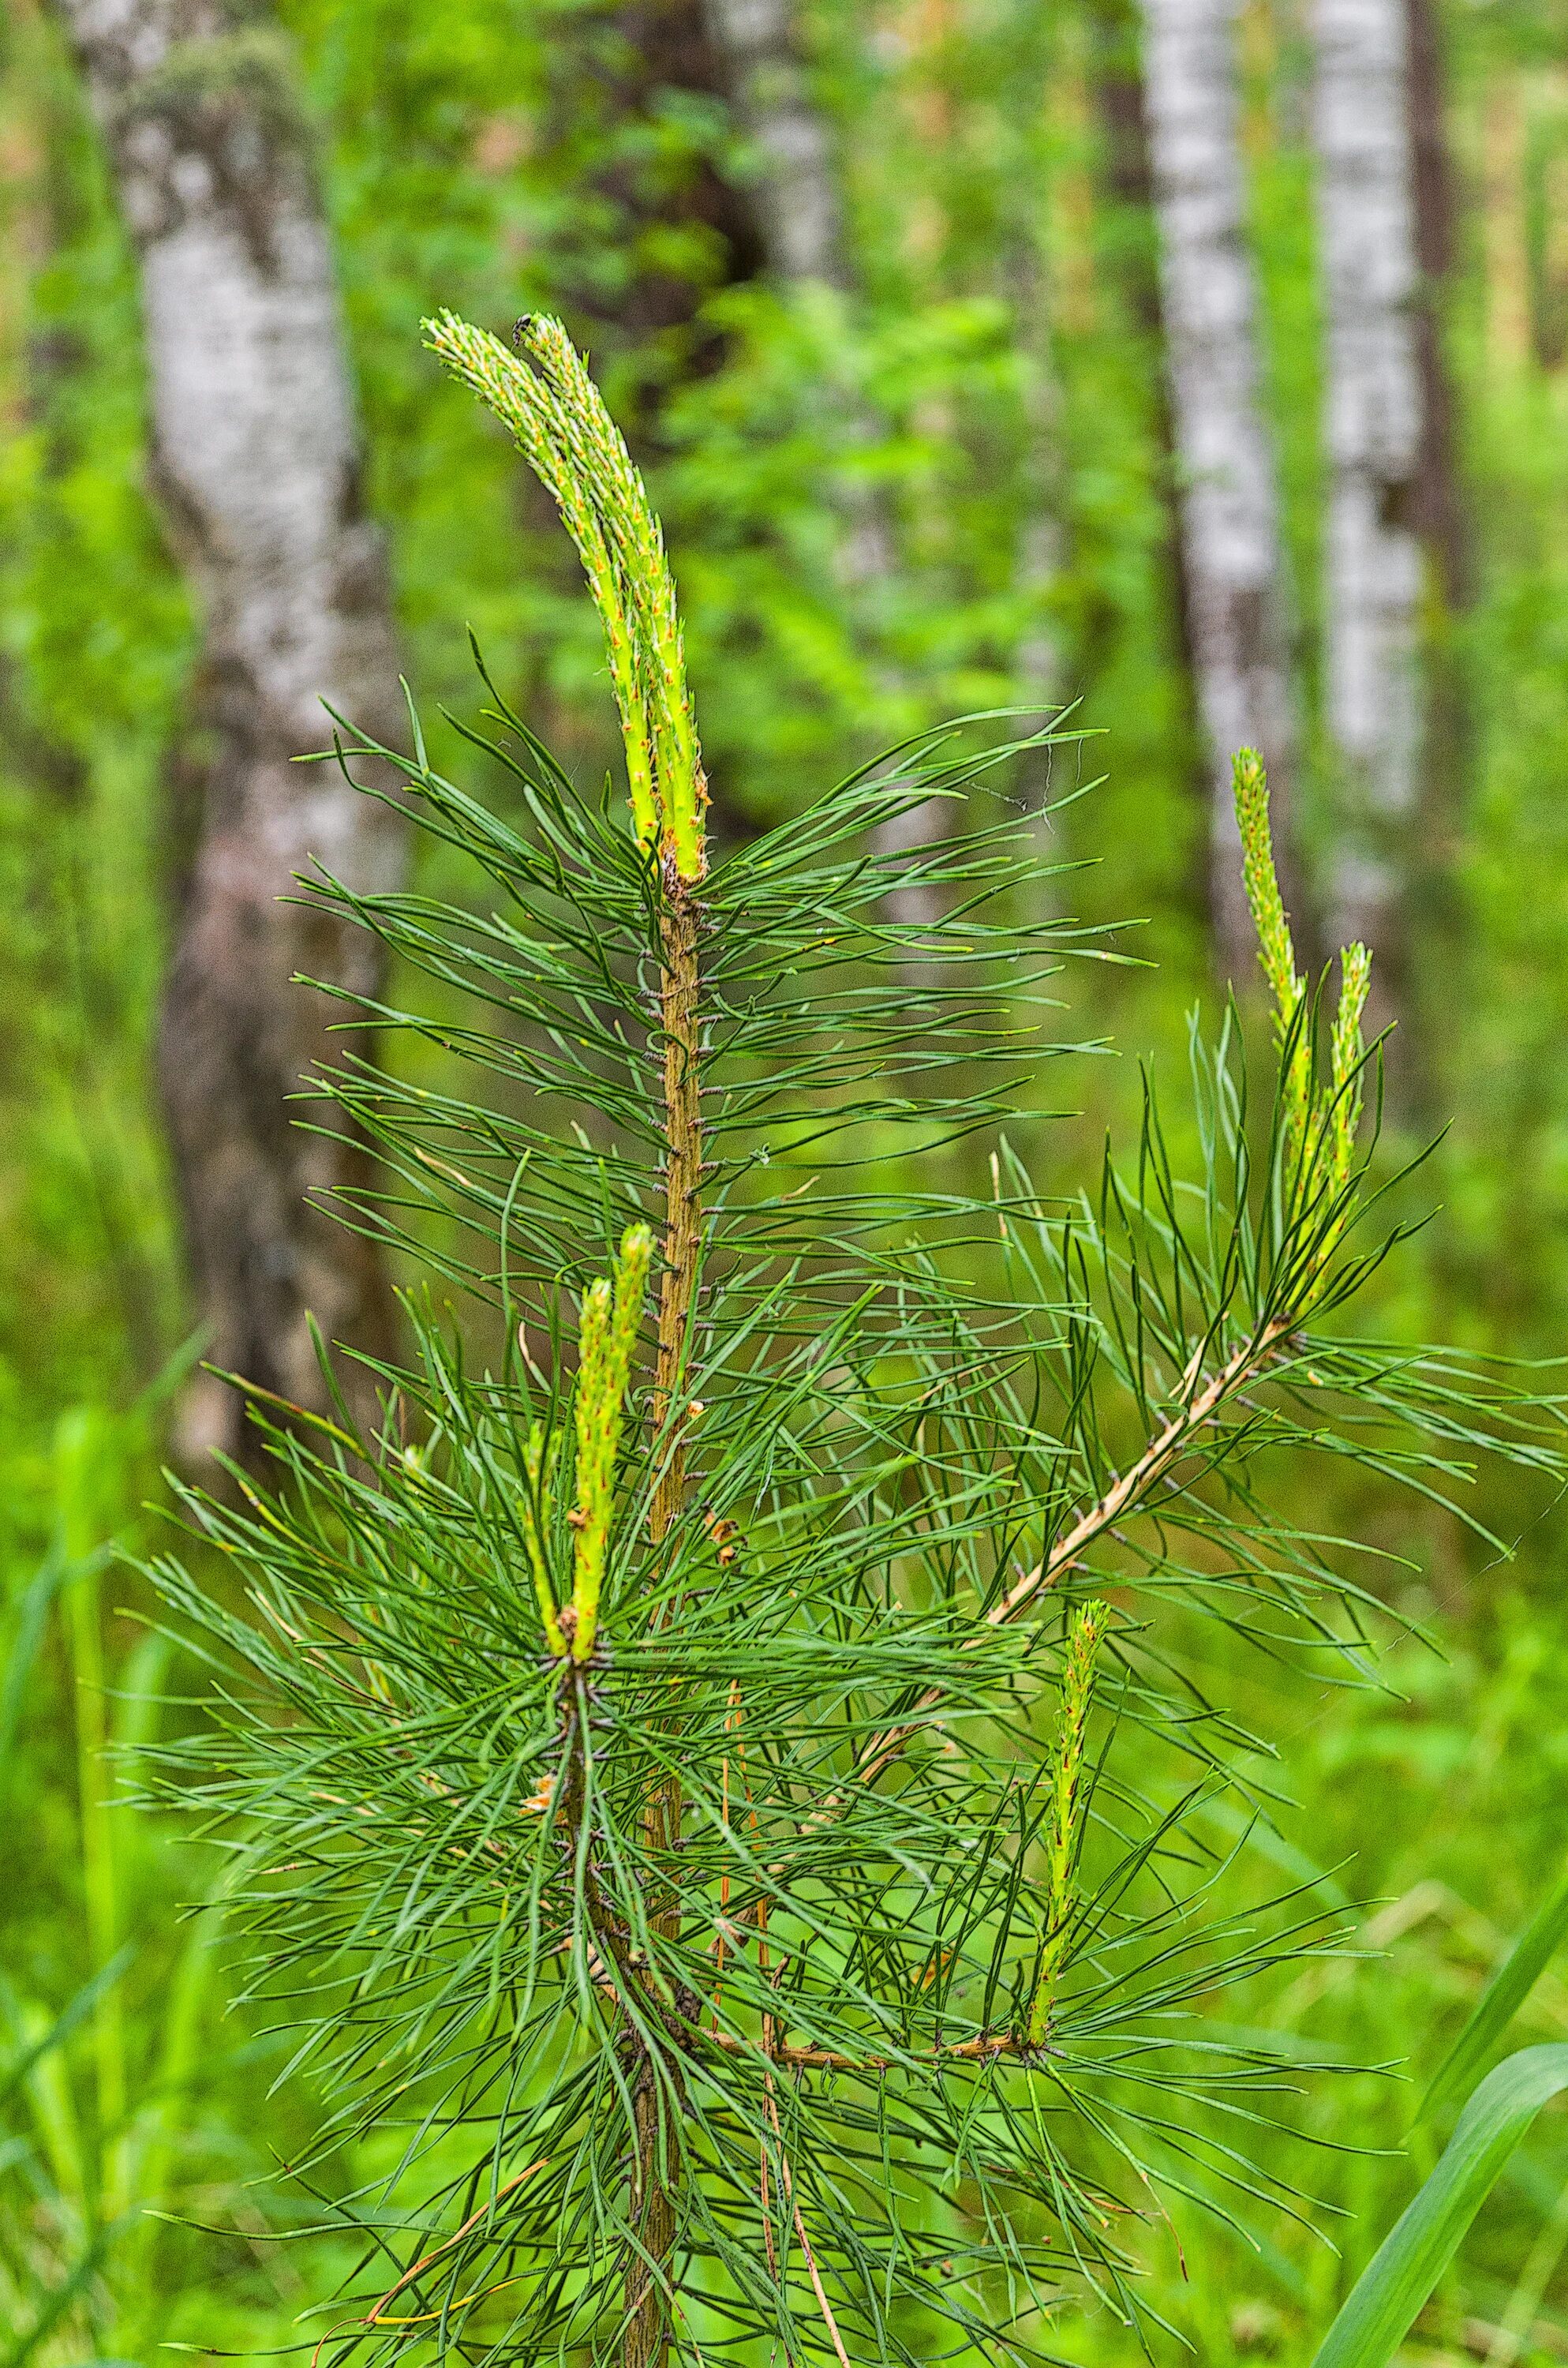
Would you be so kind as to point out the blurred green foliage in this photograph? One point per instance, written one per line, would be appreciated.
(989, 367)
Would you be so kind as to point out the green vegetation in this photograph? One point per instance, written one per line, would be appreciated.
(475, 156)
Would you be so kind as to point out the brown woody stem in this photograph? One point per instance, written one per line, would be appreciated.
(978, 2050)
(653, 2213)
(683, 1183)
(657, 2163)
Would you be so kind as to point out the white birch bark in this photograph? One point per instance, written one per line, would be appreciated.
(1233, 558)
(1372, 289)
(802, 221)
(255, 454)
(801, 216)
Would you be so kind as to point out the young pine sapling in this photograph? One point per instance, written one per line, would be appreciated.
(720, 1784)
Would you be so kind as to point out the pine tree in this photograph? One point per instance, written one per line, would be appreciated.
(718, 1787)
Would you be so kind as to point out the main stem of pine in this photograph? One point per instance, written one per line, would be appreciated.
(657, 2167)
(683, 1185)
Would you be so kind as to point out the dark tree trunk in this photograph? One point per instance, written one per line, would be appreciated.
(1437, 951)
(657, 47)
(1440, 516)
(255, 458)
(1129, 173)
(800, 219)
(665, 227)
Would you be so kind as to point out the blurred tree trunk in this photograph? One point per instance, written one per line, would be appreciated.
(1128, 175)
(1504, 224)
(1437, 949)
(254, 455)
(1037, 261)
(665, 227)
(801, 215)
(1441, 517)
(1232, 553)
(873, 547)
(1373, 570)
(687, 227)
(799, 212)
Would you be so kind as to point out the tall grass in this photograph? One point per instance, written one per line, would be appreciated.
(125, 2105)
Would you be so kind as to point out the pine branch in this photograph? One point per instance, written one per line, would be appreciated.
(1317, 1141)
(1126, 1497)
(978, 2049)
(679, 1007)
(1130, 1493)
(648, 2291)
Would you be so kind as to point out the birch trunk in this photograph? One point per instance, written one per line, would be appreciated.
(254, 455)
(800, 214)
(1232, 560)
(1371, 288)
(800, 217)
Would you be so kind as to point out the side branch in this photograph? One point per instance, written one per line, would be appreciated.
(985, 2045)
(1125, 1495)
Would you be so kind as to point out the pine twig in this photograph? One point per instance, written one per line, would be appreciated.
(1125, 1495)
(374, 2317)
(978, 2049)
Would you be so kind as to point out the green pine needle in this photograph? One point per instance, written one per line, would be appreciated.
(538, 1468)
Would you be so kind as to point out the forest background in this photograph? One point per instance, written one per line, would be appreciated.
(895, 301)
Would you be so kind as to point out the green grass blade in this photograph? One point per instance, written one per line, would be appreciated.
(59, 2301)
(36, 2049)
(1501, 2000)
(32, 1614)
(1401, 2276)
